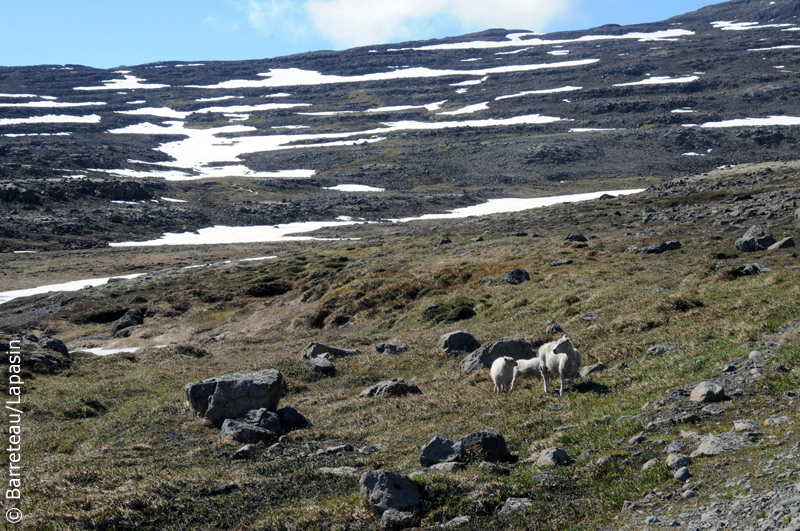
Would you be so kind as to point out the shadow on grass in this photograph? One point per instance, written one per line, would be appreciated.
(592, 387)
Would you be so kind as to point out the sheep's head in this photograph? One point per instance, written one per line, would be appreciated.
(563, 346)
(510, 360)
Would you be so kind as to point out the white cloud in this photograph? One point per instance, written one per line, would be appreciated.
(362, 22)
(286, 18)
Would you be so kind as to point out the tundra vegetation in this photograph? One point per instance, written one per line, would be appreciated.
(111, 443)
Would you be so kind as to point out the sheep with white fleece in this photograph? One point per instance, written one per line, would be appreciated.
(531, 367)
(559, 358)
(503, 373)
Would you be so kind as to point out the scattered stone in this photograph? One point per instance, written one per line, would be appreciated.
(514, 507)
(53, 343)
(485, 446)
(650, 464)
(750, 269)
(370, 449)
(553, 328)
(688, 418)
(576, 237)
(713, 409)
(675, 447)
(588, 453)
(314, 350)
(554, 457)
(231, 396)
(248, 451)
(561, 262)
(660, 424)
(493, 468)
(589, 316)
(242, 431)
(688, 494)
(517, 276)
(651, 520)
(675, 461)
(548, 480)
(637, 439)
(781, 369)
(127, 321)
(718, 444)
(291, 419)
(484, 356)
(777, 421)
(682, 474)
(393, 519)
(342, 471)
(455, 523)
(620, 366)
(446, 467)
(333, 450)
(707, 392)
(382, 490)
(755, 239)
(441, 450)
(386, 348)
(394, 387)
(591, 369)
(662, 247)
(263, 418)
(785, 243)
(755, 355)
(458, 341)
(657, 350)
(604, 459)
(444, 241)
(323, 365)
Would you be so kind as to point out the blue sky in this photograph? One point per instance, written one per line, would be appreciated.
(111, 33)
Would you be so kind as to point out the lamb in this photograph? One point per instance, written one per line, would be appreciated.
(503, 373)
(531, 367)
(559, 358)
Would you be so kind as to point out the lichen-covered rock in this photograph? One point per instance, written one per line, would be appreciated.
(383, 489)
(441, 450)
(756, 238)
(231, 396)
(718, 444)
(243, 431)
(517, 276)
(707, 392)
(554, 457)
(485, 446)
(315, 349)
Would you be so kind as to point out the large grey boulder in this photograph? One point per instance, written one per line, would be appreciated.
(485, 446)
(233, 395)
(756, 238)
(394, 387)
(315, 349)
(441, 450)
(718, 444)
(458, 341)
(382, 490)
(484, 356)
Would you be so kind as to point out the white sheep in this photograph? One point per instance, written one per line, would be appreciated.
(531, 367)
(559, 358)
(503, 373)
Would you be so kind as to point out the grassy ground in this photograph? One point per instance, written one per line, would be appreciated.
(110, 443)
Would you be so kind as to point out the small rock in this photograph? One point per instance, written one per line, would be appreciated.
(291, 419)
(314, 350)
(485, 445)
(517, 276)
(394, 387)
(54, 344)
(745, 270)
(493, 468)
(777, 421)
(441, 450)
(718, 444)
(682, 474)
(386, 348)
(637, 439)
(657, 350)
(675, 461)
(651, 520)
(650, 464)
(675, 447)
(393, 519)
(785, 243)
(756, 238)
(553, 328)
(554, 457)
(662, 247)
(128, 321)
(589, 316)
(514, 507)
(713, 409)
(688, 494)
(707, 392)
(342, 471)
(576, 237)
(248, 451)
(243, 431)
(455, 523)
(383, 489)
(370, 449)
(755, 355)
(561, 262)
(264, 418)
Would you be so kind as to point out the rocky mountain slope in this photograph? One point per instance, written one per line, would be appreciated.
(437, 124)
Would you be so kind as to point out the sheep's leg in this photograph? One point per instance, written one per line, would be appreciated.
(513, 381)
(561, 391)
(545, 379)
